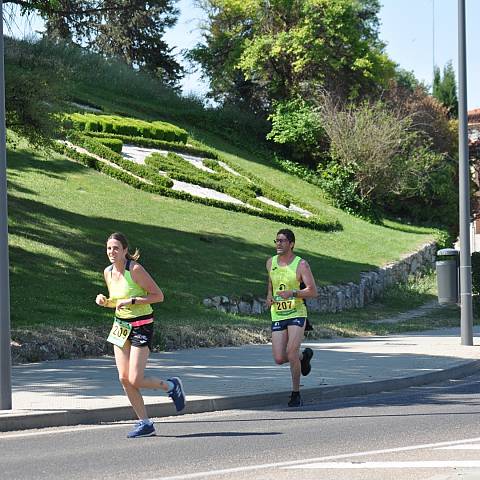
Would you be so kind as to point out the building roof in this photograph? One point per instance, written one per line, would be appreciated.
(474, 116)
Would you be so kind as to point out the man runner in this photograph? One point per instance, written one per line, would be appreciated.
(290, 282)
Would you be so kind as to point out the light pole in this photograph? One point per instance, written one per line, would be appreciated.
(5, 356)
(466, 312)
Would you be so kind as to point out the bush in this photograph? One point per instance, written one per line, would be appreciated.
(339, 182)
(296, 126)
(113, 143)
(384, 163)
(426, 188)
(90, 122)
(196, 149)
(95, 147)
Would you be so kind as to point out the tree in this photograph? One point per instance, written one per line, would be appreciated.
(31, 90)
(258, 52)
(132, 30)
(445, 89)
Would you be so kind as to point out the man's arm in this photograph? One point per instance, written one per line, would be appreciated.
(306, 276)
(269, 284)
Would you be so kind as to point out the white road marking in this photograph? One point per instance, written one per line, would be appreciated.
(57, 430)
(389, 465)
(473, 446)
(295, 463)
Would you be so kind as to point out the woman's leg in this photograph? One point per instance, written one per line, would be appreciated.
(122, 359)
(138, 362)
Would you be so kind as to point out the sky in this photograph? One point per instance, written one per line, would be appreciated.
(417, 34)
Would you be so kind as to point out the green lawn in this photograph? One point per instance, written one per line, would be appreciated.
(60, 214)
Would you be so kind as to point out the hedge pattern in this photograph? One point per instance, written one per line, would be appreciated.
(95, 147)
(113, 143)
(211, 159)
(178, 168)
(90, 122)
(266, 212)
(203, 152)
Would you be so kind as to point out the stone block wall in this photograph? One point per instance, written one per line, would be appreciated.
(336, 298)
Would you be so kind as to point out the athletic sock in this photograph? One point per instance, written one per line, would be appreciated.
(170, 385)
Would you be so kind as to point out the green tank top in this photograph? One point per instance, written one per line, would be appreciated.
(124, 288)
(285, 278)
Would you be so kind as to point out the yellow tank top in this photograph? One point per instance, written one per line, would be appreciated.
(285, 278)
(124, 288)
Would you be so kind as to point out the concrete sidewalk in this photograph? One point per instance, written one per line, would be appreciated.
(70, 392)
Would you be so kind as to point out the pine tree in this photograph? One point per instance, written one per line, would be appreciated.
(445, 89)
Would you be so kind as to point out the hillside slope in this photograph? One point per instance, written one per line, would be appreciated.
(60, 214)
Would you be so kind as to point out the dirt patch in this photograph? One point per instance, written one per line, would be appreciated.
(57, 343)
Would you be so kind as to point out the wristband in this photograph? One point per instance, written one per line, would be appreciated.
(294, 293)
(134, 300)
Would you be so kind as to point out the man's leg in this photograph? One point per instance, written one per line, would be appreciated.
(279, 346)
(295, 338)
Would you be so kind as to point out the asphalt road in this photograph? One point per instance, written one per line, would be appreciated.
(430, 432)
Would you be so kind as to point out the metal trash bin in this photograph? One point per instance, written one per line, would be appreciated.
(446, 266)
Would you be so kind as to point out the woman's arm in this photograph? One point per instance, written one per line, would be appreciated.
(101, 299)
(142, 278)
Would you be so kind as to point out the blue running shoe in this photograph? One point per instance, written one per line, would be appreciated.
(142, 429)
(177, 394)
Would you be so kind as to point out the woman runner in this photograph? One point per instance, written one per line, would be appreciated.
(131, 292)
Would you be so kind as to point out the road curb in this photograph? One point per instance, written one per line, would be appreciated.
(114, 414)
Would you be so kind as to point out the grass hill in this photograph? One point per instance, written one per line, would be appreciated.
(60, 214)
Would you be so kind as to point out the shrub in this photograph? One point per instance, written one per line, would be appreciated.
(296, 126)
(385, 163)
(429, 116)
(426, 187)
(113, 143)
(95, 147)
(339, 182)
(365, 140)
(125, 126)
(198, 150)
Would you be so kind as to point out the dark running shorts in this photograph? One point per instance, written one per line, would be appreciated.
(283, 324)
(142, 336)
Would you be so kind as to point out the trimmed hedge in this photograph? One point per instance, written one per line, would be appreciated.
(95, 147)
(286, 218)
(90, 122)
(112, 143)
(178, 168)
(265, 189)
(236, 187)
(203, 152)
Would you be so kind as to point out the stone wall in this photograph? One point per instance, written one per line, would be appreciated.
(336, 298)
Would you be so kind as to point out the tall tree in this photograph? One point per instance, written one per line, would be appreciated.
(262, 51)
(445, 89)
(132, 30)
